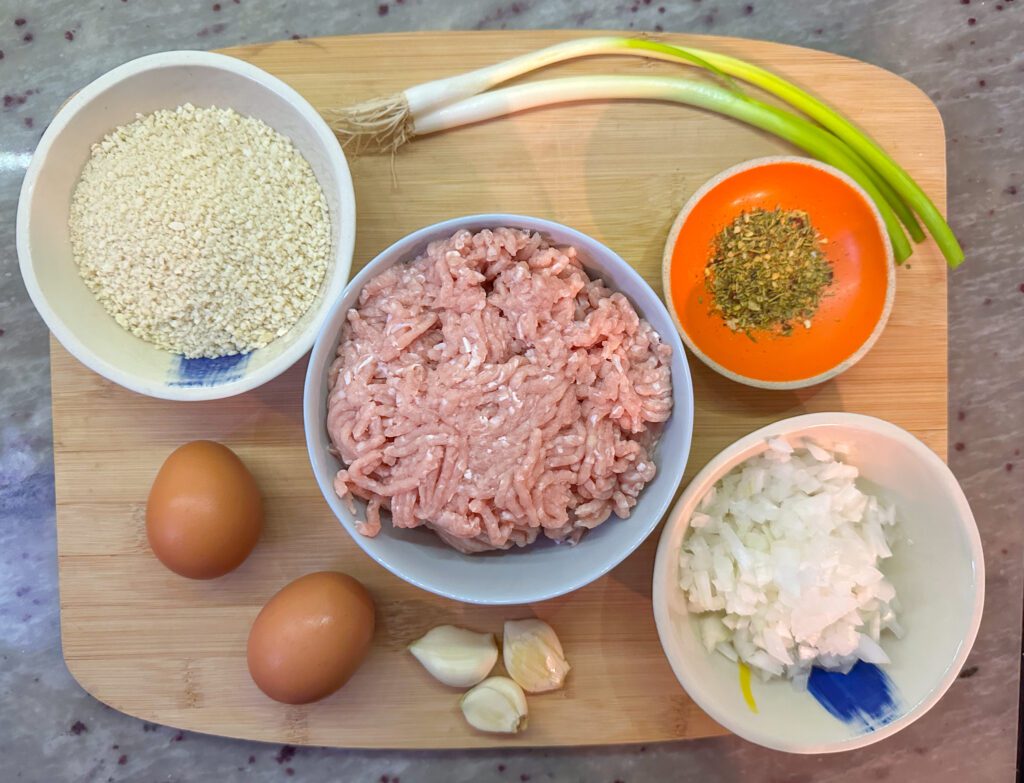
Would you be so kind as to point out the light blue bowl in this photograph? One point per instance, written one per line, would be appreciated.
(546, 569)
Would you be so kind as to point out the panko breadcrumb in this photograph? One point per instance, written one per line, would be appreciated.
(200, 230)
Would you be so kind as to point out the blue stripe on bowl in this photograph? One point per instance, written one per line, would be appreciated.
(865, 698)
(208, 372)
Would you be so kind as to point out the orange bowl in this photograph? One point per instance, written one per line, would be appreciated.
(854, 309)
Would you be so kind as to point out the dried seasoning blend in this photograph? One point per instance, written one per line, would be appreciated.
(768, 272)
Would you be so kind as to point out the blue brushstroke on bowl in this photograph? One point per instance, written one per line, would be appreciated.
(865, 697)
(208, 372)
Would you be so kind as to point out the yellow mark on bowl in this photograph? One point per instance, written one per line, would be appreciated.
(748, 694)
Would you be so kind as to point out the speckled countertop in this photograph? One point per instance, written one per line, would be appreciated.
(968, 55)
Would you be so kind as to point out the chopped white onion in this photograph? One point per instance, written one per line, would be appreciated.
(783, 563)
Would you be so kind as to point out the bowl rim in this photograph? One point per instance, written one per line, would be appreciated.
(699, 195)
(341, 258)
(327, 340)
(724, 461)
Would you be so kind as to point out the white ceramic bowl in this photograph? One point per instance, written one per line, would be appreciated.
(546, 569)
(937, 568)
(77, 320)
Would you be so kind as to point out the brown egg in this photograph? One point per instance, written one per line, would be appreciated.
(311, 637)
(204, 512)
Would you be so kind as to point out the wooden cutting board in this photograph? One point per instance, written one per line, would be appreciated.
(172, 651)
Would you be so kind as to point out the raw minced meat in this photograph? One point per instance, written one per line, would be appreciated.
(491, 391)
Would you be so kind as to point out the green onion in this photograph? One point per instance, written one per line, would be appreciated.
(893, 174)
(791, 127)
(388, 123)
(725, 67)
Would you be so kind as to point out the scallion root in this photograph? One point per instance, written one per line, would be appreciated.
(376, 125)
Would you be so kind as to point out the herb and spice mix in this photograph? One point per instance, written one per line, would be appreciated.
(768, 271)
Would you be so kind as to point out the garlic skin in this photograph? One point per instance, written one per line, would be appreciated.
(496, 705)
(455, 656)
(533, 655)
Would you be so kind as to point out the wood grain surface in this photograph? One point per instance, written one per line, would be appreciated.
(172, 651)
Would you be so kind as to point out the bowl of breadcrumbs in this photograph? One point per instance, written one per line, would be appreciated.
(185, 224)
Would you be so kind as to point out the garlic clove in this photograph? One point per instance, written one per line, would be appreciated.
(533, 655)
(496, 705)
(455, 656)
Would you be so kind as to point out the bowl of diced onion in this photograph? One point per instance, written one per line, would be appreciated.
(820, 583)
